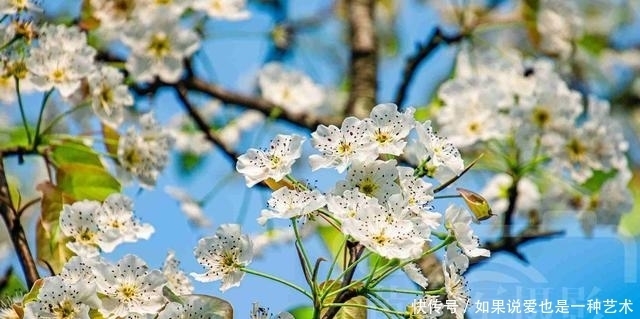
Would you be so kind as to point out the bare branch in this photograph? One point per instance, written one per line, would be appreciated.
(202, 124)
(414, 61)
(364, 57)
(16, 232)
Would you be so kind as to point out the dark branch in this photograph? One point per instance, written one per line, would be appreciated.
(355, 250)
(202, 124)
(414, 61)
(16, 232)
(364, 57)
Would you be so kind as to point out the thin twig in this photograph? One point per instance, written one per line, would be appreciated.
(413, 62)
(202, 124)
(355, 250)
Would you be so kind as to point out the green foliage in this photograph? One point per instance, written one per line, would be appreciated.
(630, 223)
(11, 285)
(595, 182)
(345, 312)
(84, 181)
(302, 312)
(333, 239)
(50, 244)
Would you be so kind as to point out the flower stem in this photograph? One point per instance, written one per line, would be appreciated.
(276, 279)
(400, 291)
(22, 114)
(355, 305)
(40, 115)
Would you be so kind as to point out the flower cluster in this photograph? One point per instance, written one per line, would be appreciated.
(93, 226)
(525, 108)
(290, 90)
(128, 288)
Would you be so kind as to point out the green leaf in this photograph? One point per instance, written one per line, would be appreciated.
(74, 152)
(50, 243)
(171, 296)
(33, 293)
(11, 285)
(334, 240)
(302, 312)
(111, 140)
(595, 182)
(345, 312)
(630, 223)
(17, 137)
(217, 307)
(189, 162)
(85, 181)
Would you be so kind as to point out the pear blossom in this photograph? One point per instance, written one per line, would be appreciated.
(347, 205)
(559, 24)
(60, 299)
(62, 67)
(275, 163)
(388, 128)
(78, 269)
(456, 287)
(289, 203)
(435, 156)
(77, 221)
(109, 95)
(385, 232)
(375, 179)
(224, 255)
(293, 91)
(9, 7)
(415, 274)
(458, 220)
(416, 191)
(222, 9)
(118, 224)
(177, 280)
(158, 47)
(339, 147)
(129, 287)
(145, 153)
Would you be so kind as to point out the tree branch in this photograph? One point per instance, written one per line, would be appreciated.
(364, 57)
(355, 250)
(202, 124)
(16, 232)
(308, 121)
(413, 61)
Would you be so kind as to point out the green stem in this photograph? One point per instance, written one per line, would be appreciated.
(374, 295)
(305, 256)
(61, 116)
(328, 292)
(377, 304)
(40, 115)
(404, 263)
(276, 279)
(335, 258)
(401, 291)
(22, 114)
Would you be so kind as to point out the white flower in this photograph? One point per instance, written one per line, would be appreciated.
(375, 179)
(559, 24)
(458, 220)
(144, 154)
(116, 222)
(222, 9)
(388, 128)
(384, 231)
(415, 274)
(347, 205)
(288, 203)
(129, 286)
(223, 255)
(189, 206)
(275, 163)
(456, 287)
(340, 146)
(62, 67)
(109, 95)
(435, 156)
(177, 280)
(416, 191)
(60, 299)
(158, 47)
(293, 91)
(78, 222)
(78, 269)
